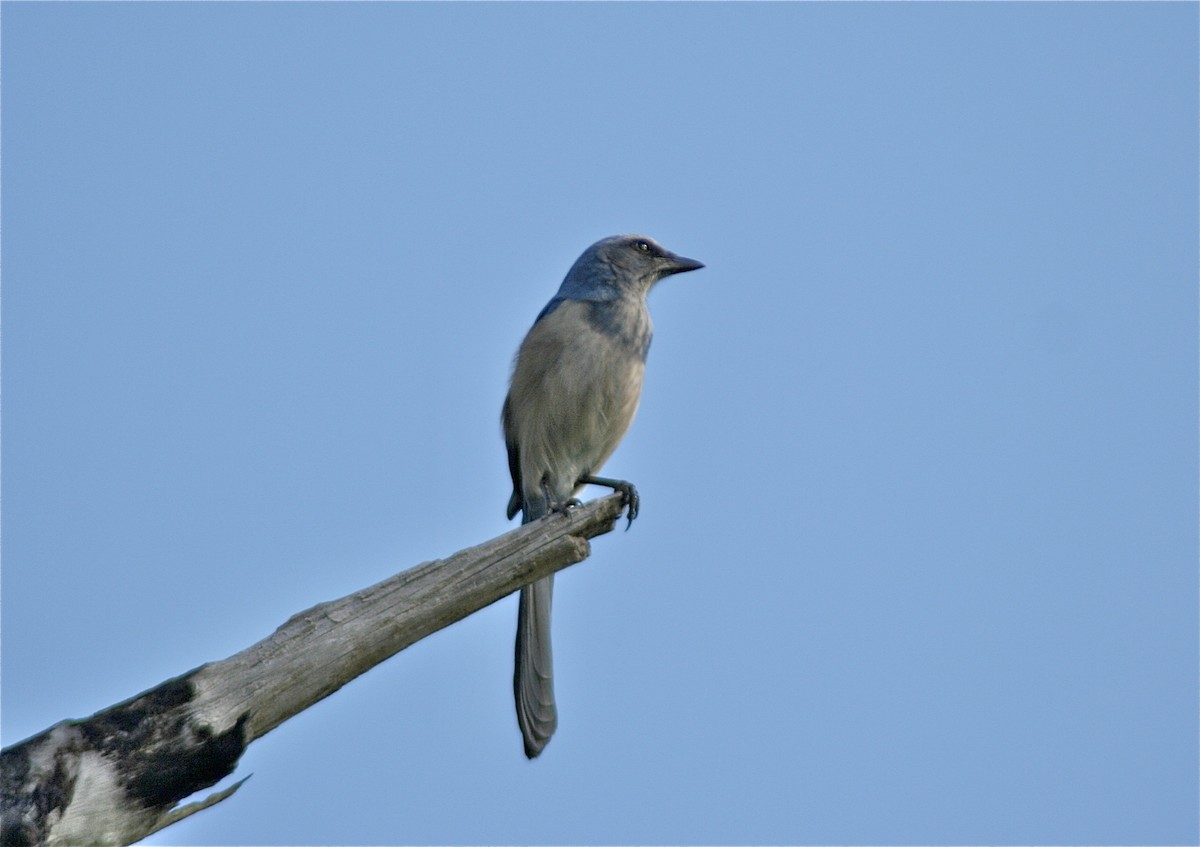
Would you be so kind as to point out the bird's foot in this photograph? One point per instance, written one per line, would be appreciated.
(627, 491)
(566, 506)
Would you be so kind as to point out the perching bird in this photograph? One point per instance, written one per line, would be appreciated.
(575, 386)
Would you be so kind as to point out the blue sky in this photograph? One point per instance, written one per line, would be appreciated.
(917, 560)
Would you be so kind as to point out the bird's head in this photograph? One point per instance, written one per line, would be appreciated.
(621, 266)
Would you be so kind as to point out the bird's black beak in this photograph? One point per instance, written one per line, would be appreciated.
(680, 264)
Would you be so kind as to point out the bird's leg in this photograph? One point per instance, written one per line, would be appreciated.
(632, 500)
(563, 508)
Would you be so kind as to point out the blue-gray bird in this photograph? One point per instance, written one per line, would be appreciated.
(575, 387)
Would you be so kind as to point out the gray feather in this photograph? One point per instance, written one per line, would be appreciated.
(533, 679)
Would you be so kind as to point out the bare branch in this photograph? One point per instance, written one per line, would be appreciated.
(118, 776)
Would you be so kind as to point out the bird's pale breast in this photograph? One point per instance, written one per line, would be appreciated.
(577, 387)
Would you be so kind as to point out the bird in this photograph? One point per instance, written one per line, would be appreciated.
(575, 386)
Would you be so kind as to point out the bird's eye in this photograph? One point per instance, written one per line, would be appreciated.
(642, 246)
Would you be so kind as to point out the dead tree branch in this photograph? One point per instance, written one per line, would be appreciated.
(119, 775)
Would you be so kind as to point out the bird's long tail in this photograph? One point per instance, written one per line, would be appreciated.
(533, 679)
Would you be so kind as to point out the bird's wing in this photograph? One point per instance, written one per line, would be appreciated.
(514, 460)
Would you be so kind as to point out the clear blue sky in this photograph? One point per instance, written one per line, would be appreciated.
(917, 560)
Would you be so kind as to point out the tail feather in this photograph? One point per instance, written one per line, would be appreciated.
(533, 679)
(533, 670)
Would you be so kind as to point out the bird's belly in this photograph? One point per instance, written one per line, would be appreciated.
(585, 406)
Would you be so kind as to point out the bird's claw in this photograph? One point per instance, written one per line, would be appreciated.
(632, 503)
(566, 506)
(626, 489)
(629, 494)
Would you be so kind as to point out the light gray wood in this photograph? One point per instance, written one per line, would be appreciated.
(119, 775)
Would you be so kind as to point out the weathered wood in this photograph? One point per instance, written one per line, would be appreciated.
(117, 776)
